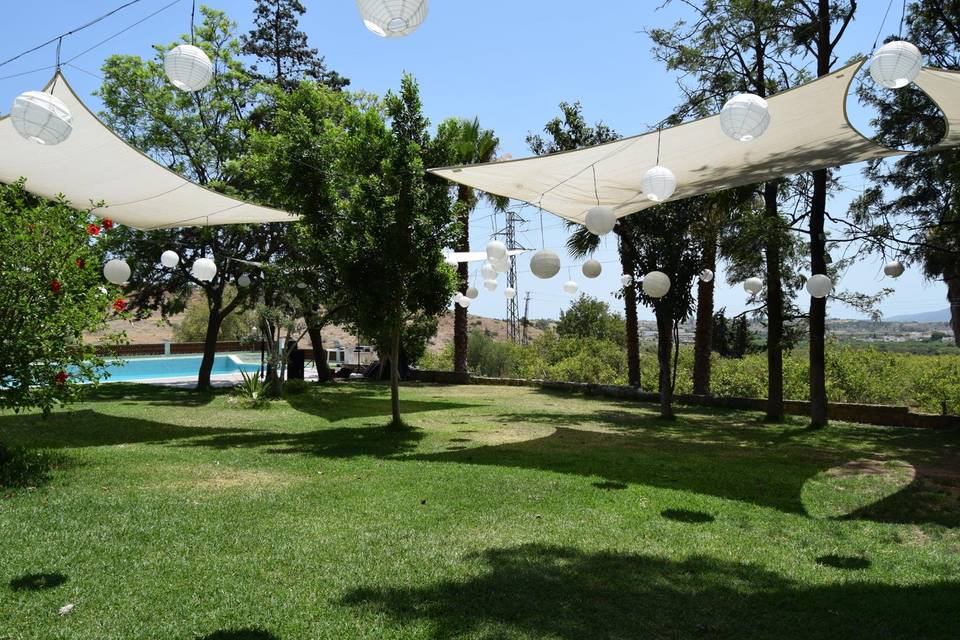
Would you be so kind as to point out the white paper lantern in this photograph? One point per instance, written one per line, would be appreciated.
(659, 184)
(626, 280)
(393, 18)
(204, 269)
(116, 271)
(896, 64)
(464, 301)
(591, 268)
(472, 293)
(243, 281)
(41, 117)
(545, 264)
(819, 286)
(490, 285)
(706, 275)
(600, 220)
(570, 287)
(501, 266)
(509, 293)
(496, 250)
(894, 269)
(188, 68)
(169, 259)
(488, 271)
(753, 285)
(656, 284)
(745, 117)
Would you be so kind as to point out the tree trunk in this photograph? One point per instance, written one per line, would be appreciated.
(664, 349)
(460, 328)
(315, 331)
(774, 307)
(209, 348)
(818, 306)
(953, 296)
(703, 340)
(396, 423)
(630, 317)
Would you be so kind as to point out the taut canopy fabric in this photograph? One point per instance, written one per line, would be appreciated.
(94, 165)
(808, 130)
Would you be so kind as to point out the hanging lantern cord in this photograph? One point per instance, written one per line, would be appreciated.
(882, 23)
(193, 19)
(596, 192)
(543, 242)
(659, 131)
(56, 76)
(903, 15)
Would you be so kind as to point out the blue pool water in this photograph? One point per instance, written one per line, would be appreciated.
(174, 367)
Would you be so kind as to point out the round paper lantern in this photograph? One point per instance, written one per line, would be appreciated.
(570, 287)
(393, 18)
(659, 184)
(472, 293)
(656, 284)
(591, 268)
(819, 286)
(116, 271)
(501, 266)
(488, 271)
(545, 264)
(896, 64)
(600, 220)
(169, 259)
(496, 250)
(41, 117)
(706, 275)
(753, 285)
(464, 301)
(745, 117)
(490, 285)
(188, 68)
(894, 269)
(204, 269)
(626, 280)
(509, 293)
(243, 281)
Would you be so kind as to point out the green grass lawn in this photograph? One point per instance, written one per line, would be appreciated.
(503, 513)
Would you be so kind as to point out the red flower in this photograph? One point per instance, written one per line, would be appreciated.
(81, 263)
(61, 378)
(107, 224)
(119, 305)
(93, 229)
(55, 286)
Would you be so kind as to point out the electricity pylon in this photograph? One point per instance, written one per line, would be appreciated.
(509, 236)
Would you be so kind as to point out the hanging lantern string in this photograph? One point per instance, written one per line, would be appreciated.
(193, 19)
(903, 16)
(882, 24)
(596, 192)
(659, 135)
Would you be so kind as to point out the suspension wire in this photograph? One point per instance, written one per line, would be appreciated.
(882, 24)
(659, 133)
(903, 15)
(596, 192)
(193, 19)
(70, 32)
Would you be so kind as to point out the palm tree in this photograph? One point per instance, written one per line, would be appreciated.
(468, 143)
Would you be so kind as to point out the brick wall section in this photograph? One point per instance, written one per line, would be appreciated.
(882, 415)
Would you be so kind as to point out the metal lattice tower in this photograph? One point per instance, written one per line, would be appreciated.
(509, 236)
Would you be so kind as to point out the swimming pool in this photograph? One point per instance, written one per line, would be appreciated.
(138, 369)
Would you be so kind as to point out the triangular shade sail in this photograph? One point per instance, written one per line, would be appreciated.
(809, 130)
(94, 165)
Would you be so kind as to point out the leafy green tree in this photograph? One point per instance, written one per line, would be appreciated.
(741, 337)
(195, 135)
(468, 143)
(283, 55)
(192, 327)
(911, 208)
(394, 221)
(721, 334)
(588, 317)
(52, 293)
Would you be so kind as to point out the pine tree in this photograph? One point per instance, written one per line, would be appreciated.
(283, 54)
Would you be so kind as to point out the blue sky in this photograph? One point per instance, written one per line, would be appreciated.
(508, 62)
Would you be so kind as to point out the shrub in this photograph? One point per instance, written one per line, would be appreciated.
(252, 392)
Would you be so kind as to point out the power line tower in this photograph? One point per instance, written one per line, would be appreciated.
(509, 236)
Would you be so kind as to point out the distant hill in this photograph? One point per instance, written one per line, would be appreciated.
(929, 316)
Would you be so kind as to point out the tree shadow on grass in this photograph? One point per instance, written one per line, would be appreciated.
(241, 634)
(151, 394)
(560, 592)
(37, 581)
(363, 401)
(687, 516)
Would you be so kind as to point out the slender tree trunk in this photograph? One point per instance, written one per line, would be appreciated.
(703, 340)
(774, 261)
(818, 306)
(953, 296)
(664, 355)
(395, 376)
(209, 348)
(460, 328)
(630, 317)
(315, 331)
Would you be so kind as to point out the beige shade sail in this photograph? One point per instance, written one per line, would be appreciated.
(94, 165)
(808, 130)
